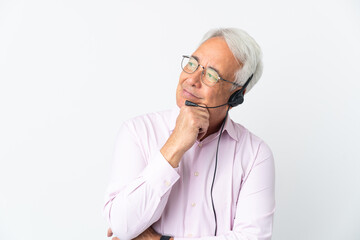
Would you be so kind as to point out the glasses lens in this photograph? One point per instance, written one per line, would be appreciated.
(189, 64)
(211, 77)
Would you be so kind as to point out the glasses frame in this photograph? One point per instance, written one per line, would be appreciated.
(203, 72)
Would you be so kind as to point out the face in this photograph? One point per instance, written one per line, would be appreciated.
(213, 53)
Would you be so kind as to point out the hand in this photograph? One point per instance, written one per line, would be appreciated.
(148, 234)
(110, 233)
(191, 124)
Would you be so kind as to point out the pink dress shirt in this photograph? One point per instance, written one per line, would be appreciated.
(145, 190)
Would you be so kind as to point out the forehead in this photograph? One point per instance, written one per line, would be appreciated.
(216, 53)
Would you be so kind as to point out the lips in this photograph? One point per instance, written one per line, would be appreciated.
(188, 94)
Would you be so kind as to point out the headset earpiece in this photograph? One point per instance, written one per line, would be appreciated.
(236, 98)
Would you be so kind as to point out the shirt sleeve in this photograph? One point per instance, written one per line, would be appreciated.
(139, 188)
(256, 202)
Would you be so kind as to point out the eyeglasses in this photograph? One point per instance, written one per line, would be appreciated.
(208, 76)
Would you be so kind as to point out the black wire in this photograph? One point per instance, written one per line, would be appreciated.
(212, 185)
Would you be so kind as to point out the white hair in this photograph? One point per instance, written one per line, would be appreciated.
(245, 50)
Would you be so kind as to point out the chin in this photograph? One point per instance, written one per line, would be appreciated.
(180, 102)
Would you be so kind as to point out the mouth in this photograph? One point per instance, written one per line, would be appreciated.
(188, 94)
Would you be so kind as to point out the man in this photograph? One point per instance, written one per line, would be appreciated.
(172, 177)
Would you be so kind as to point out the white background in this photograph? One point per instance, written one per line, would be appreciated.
(72, 71)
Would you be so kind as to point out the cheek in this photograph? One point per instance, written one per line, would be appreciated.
(222, 97)
(182, 76)
(218, 97)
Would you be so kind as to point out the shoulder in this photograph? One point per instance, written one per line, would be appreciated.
(250, 142)
(154, 124)
(252, 151)
(152, 119)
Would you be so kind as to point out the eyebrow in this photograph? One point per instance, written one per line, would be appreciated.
(197, 59)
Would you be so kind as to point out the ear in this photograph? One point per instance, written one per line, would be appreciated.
(236, 89)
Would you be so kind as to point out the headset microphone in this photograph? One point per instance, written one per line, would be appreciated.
(191, 104)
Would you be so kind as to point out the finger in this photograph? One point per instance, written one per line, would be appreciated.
(203, 105)
(151, 229)
(202, 120)
(203, 108)
(115, 238)
(109, 232)
(203, 112)
(200, 113)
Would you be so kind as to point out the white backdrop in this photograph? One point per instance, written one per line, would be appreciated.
(71, 71)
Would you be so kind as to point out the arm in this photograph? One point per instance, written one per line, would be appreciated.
(138, 192)
(138, 189)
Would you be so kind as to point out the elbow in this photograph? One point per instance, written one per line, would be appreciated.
(122, 227)
(119, 227)
(117, 223)
(248, 235)
(122, 233)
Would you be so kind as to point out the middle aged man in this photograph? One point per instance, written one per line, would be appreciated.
(172, 177)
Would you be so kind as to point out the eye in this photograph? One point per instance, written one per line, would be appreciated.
(211, 77)
(191, 65)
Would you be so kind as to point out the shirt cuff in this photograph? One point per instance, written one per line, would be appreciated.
(160, 175)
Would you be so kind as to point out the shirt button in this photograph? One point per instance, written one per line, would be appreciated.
(200, 144)
(167, 183)
(196, 173)
(193, 204)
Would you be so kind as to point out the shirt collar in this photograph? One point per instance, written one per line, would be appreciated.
(230, 128)
(229, 125)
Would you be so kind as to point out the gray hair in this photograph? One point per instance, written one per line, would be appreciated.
(245, 50)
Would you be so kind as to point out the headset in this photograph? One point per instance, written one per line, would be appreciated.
(235, 99)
